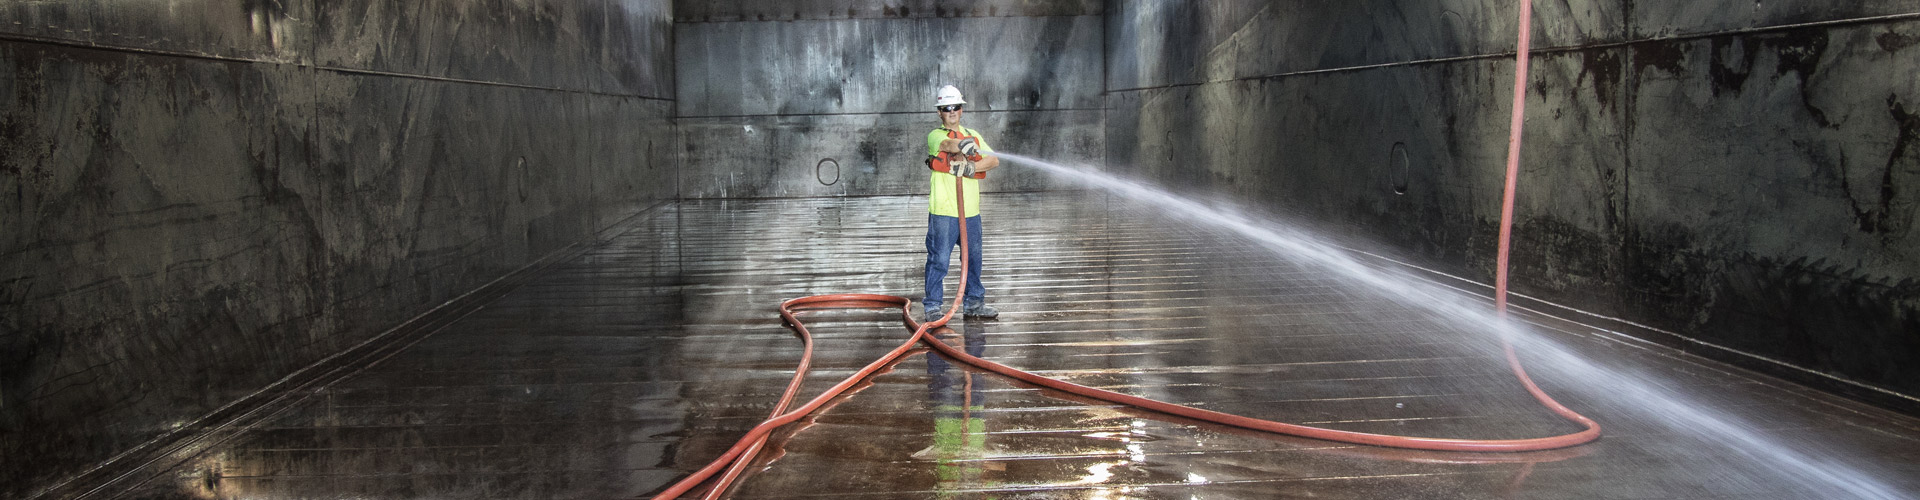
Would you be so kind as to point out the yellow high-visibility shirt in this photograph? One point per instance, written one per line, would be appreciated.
(940, 198)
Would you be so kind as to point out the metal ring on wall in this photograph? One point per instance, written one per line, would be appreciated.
(819, 171)
(1397, 166)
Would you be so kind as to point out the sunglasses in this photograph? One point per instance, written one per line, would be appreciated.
(948, 108)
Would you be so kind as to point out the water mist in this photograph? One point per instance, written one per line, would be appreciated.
(1624, 387)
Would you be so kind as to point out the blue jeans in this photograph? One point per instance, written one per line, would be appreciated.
(943, 233)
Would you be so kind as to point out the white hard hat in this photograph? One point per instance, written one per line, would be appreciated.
(948, 95)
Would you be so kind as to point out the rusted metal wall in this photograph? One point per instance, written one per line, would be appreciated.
(203, 197)
(1734, 178)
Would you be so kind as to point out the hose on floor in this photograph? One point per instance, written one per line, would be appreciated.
(737, 458)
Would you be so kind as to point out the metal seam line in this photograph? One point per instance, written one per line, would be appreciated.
(14, 37)
(1541, 51)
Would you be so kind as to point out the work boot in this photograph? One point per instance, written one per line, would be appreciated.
(935, 313)
(981, 311)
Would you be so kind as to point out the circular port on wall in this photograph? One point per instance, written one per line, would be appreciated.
(827, 171)
(1397, 168)
(520, 178)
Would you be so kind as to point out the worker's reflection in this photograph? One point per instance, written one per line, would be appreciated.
(956, 396)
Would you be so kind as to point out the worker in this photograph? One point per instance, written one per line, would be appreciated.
(955, 154)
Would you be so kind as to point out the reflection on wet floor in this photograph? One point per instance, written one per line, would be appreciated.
(622, 370)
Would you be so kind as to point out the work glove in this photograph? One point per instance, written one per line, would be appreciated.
(970, 149)
(961, 168)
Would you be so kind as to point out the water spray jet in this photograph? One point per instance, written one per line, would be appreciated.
(1632, 389)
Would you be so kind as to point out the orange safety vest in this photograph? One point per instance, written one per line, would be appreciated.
(944, 161)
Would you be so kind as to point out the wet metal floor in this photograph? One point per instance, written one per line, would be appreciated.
(615, 373)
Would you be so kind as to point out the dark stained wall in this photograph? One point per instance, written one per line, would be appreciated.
(205, 196)
(820, 98)
(1735, 178)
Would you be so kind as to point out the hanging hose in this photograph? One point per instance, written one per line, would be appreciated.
(736, 459)
(1514, 126)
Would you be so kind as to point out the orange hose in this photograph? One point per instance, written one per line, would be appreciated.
(1515, 125)
(1591, 432)
(743, 451)
(754, 437)
(735, 459)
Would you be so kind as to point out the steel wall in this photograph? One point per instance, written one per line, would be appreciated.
(208, 195)
(1734, 178)
(769, 91)
(205, 196)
